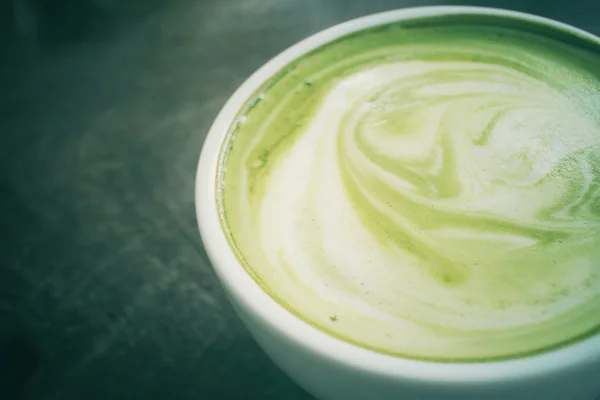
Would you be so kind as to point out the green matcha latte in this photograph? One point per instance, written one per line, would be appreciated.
(428, 189)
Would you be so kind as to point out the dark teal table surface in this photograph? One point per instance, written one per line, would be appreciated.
(105, 289)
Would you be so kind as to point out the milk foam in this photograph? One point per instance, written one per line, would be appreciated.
(431, 208)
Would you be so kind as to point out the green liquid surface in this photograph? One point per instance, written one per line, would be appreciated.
(427, 189)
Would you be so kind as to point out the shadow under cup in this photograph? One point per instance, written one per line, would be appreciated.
(357, 136)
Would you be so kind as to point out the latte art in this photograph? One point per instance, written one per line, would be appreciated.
(431, 191)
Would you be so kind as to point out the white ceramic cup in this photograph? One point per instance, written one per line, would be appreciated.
(331, 369)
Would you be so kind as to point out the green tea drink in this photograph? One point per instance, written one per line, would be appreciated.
(427, 189)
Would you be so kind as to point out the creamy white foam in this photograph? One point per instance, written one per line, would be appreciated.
(440, 209)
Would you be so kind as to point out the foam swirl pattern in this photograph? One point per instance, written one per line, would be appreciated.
(431, 192)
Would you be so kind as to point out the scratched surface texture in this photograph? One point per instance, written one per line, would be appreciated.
(105, 289)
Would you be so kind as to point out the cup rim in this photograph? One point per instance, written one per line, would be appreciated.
(247, 292)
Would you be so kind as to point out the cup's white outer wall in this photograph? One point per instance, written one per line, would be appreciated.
(332, 369)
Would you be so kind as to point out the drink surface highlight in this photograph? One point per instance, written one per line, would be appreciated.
(427, 189)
